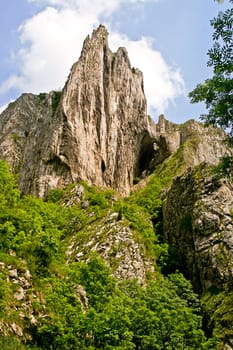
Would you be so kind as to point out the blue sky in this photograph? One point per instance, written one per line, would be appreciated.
(166, 39)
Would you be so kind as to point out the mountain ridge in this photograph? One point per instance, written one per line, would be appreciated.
(120, 196)
(96, 129)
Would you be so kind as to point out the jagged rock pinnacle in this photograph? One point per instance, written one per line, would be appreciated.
(105, 104)
(96, 129)
(99, 38)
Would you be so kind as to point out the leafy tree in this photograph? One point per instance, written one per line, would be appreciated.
(218, 307)
(162, 319)
(84, 307)
(97, 280)
(217, 92)
(9, 194)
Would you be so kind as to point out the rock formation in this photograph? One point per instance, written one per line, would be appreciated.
(114, 241)
(197, 219)
(96, 129)
(197, 222)
(104, 100)
(95, 132)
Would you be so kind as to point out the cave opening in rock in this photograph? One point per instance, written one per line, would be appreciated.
(146, 154)
(103, 166)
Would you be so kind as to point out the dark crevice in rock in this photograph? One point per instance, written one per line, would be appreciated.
(145, 156)
(58, 165)
(103, 166)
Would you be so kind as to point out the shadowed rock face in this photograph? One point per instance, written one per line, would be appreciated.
(29, 137)
(197, 221)
(197, 216)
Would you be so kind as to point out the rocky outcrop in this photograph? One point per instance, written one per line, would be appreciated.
(197, 217)
(111, 238)
(96, 129)
(26, 128)
(20, 293)
(104, 100)
(115, 243)
(18, 124)
(196, 142)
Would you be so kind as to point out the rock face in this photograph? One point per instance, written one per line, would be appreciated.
(96, 129)
(18, 123)
(27, 128)
(199, 144)
(104, 100)
(93, 133)
(197, 216)
(113, 240)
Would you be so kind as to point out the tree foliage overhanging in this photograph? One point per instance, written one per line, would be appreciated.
(217, 92)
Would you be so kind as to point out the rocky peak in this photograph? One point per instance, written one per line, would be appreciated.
(96, 129)
(105, 107)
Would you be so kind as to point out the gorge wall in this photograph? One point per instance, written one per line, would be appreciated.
(92, 133)
(197, 221)
(96, 129)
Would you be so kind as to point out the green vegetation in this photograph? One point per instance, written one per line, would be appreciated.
(15, 138)
(56, 100)
(80, 305)
(56, 97)
(224, 168)
(42, 96)
(217, 91)
(218, 307)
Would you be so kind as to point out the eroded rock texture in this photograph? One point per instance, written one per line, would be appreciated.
(115, 242)
(197, 142)
(105, 110)
(198, 223)
(29, 130)
(96, 129)
(92, 132)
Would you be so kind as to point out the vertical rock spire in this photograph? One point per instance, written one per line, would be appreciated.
(96, 129)
(105, 108)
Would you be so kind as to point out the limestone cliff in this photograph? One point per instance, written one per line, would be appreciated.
(197, 219)
(197, 222)
(93, 132)
(96, 129)
(197, 142)
(19, 125)
(104, 100)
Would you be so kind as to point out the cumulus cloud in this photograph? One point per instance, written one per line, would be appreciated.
(96, 6)
(51, 42)
(2, 108)
(162, 83)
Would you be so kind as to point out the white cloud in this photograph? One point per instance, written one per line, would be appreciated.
(2, 108)
(51, 43)
(52, 40)
(162, 83)
(97, 5)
